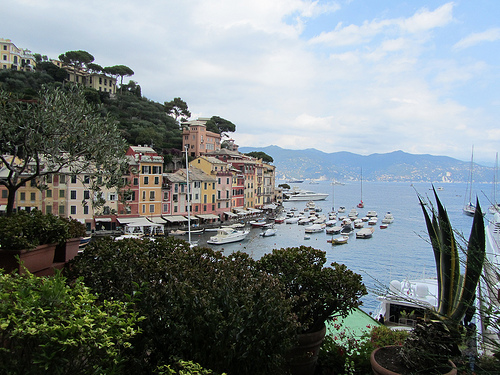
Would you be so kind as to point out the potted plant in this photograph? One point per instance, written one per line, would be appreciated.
(317, 293)
(67, 250)
(436, 341)
(28, 239)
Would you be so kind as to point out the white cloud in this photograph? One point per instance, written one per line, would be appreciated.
(490, 35)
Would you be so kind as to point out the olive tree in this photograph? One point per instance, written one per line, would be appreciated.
(57, 132)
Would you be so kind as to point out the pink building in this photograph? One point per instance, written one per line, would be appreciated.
(198, 140)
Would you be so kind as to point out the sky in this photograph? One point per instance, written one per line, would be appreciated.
(362, 76)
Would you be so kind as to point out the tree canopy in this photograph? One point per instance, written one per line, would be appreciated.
(59, 131)
(119, 71)
(261, 155)
(177, 108)
(219, 125)
(76, 59)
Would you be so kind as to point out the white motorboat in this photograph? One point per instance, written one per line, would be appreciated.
(371, 213)
(292, 220)
(334, 230)
(373, 221)
(358, 223)
(304, 195)
(347, 230)
(340, 240)
(269, 232)
(353, 213)
(407, 301)
(129, 236)
(490, 285)
(228, 235)
(331, 222)
(341, 209)
(365, 233)
(388, 218)
(315, 228)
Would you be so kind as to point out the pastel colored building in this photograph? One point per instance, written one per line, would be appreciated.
(15, 58)
(198, 139)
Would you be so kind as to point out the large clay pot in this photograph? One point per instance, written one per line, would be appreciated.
(67, 250)
(303, 357)
(379, 370)
(34, 260)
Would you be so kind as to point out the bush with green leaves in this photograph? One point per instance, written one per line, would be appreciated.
(219, 311)
(317, 293)
(48, 327)
(27, 230)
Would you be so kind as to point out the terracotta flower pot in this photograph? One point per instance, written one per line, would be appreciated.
(378, 369)
(67, 250)
(34, 260)
(303, 357)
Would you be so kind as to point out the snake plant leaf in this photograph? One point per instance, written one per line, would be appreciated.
(449, 261)
(476, 252)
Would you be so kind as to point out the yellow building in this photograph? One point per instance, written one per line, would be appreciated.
(16, 58)
(97, 81)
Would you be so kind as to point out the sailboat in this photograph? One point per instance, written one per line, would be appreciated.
(469, 208)
(495, 207)
(195, 243)
(361, 204)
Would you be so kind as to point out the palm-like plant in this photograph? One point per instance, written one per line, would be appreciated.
(456, 293)
(434, 342)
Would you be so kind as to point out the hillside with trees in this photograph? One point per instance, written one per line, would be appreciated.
(140, 120)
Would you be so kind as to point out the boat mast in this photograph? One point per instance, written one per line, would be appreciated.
(188, 198)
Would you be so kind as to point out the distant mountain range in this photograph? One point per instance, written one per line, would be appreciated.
(394, 166)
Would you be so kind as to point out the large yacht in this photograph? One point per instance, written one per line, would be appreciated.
(304, 195)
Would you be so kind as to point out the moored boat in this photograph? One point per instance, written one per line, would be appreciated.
(227, 235)
(365, 233)
(340, 240)
(388, 218)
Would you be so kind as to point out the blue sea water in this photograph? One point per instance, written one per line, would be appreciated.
(400, 251)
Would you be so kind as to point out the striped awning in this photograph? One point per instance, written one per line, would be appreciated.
(175, 218)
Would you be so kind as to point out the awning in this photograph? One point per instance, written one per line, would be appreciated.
(3, 207)
(254, 210)
(230, 214)
(175, 218)
(208, 216)
(135, 220)
(157, 220)
(103, 219)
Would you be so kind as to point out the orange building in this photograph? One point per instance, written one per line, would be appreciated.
(198, 139)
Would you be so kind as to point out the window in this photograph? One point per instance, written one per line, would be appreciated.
(33, 183)
(143, 208)
(33, 196)
(151, 208)
(146, 180)
(62, 179)
(157, 170)
(86, 179)
(49, 194)
(48, 209)
(175, 208)
(175, 197)
(144, 195)
(5, 193)
(112, 196)
(73, 210)
(61, 210)
(85, 210)
(136, 181)
(61, 194)
(157, 180)
(73, 194)
(146, 169)
(86, 194)
(23, 196)
(73, 179)
(151, 195)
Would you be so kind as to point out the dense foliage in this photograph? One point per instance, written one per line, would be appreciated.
(47, 327)
(58, 131)
(318, 293)
(221, 312)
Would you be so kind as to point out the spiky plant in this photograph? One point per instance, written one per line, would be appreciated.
(432, 343)
(455, 293)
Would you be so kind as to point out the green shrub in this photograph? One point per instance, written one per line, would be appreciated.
(317, 292)
(221, 312)
(27, 230)
(47, 327)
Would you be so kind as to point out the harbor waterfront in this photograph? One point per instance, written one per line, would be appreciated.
(398, 252)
